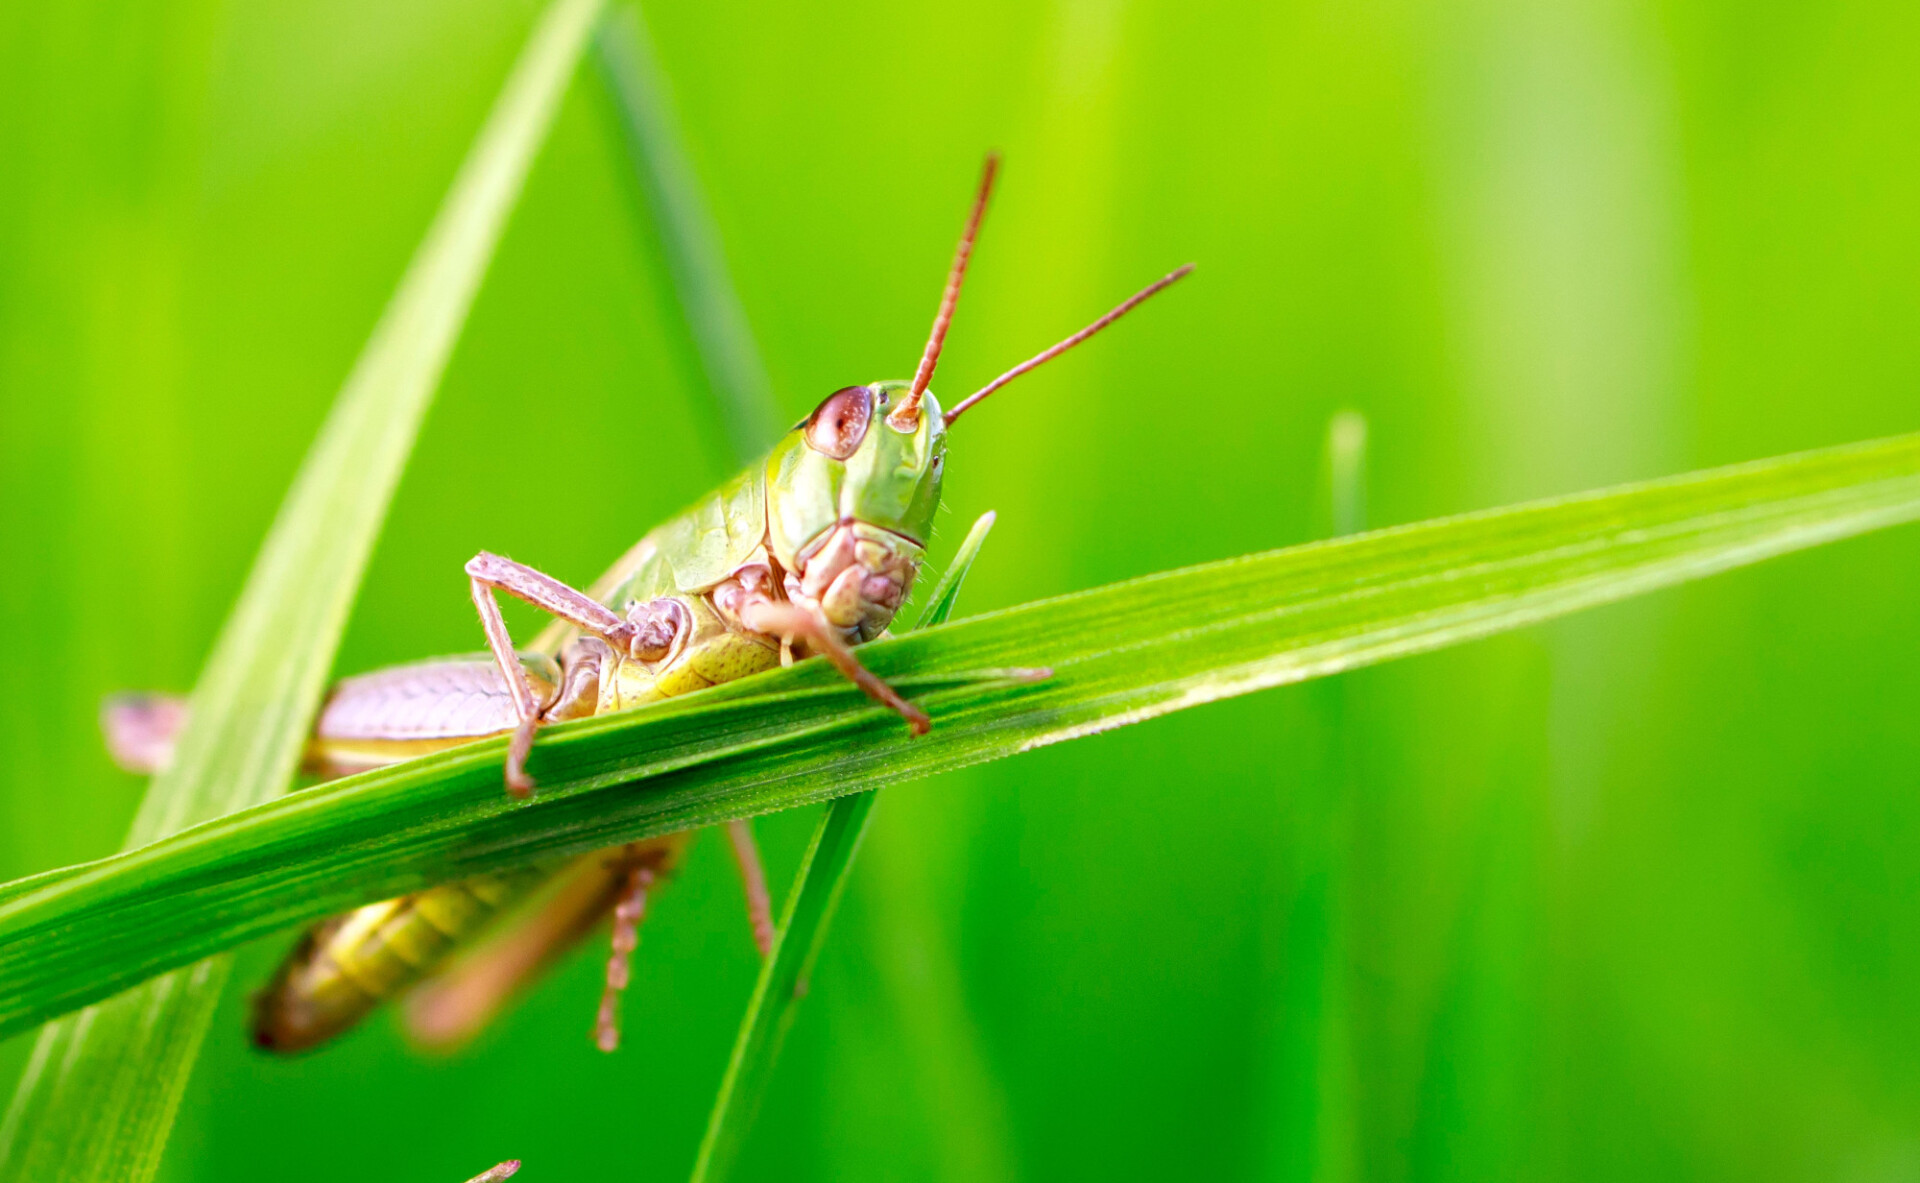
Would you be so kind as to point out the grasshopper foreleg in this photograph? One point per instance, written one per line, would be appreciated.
(791, 622)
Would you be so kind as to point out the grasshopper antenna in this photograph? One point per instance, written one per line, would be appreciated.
(1041, 358)
(907, 413)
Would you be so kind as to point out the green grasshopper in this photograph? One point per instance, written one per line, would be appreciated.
(809, 553)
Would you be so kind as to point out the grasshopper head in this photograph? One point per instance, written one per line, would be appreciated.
(851, 494)
(851, 491)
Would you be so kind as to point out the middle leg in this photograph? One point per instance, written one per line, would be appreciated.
(488, 573)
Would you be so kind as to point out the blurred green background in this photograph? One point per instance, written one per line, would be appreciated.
(1631, 896)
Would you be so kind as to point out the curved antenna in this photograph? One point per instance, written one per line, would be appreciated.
(1037, 360)
(909, 409)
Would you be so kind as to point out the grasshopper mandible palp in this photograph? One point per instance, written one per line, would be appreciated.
(807, 553)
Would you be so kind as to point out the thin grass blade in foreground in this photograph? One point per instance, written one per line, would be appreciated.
(742, 398)
(1119, 654)
(100, 1091)
(817, 888)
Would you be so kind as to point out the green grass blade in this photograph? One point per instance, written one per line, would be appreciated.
(715, 318)
(1120, 654)
(946, 592)
(783, 981)
(817, 888)
(1309, 1128)
(101, 1088)
(1346, 459)
(744, 404)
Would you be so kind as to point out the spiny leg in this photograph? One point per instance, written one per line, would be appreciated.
(488, 573)
(627, 914)
(753, 879)
(790, 621)
(458, 1002)
(463, 997)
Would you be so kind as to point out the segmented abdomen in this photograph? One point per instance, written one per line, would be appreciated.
(381, 718)
(446, 698)
(348, 965)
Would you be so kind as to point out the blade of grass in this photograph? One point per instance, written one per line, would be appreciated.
(1119, 654)
(99, 1095)
(743, 399)
(1309, 1129)
(817, 888)
(946, 592)
(697, 264)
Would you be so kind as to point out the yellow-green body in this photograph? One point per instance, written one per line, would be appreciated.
(810, 551)
(767, 520)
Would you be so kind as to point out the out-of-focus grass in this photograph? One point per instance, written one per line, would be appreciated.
(1002, 684)
(803, 927)
(98, 1098)
(1627, 896)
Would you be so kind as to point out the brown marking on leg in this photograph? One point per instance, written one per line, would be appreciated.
(498, 1174)
(792, 622)
(753, 880)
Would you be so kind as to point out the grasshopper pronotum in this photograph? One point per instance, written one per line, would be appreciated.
(807, 553)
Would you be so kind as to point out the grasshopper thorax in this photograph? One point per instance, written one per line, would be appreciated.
(851, 494)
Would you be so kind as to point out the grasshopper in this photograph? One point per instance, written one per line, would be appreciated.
(808, 553)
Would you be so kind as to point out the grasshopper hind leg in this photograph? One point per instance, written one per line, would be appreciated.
(460, 999)
(628, 910)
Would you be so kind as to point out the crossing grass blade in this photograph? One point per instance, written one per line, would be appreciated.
(743, 404)
(817, 888)
(1119, 654)
(1310, 1128)
(101, 1088)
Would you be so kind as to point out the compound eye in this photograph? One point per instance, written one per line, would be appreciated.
(840, 423)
